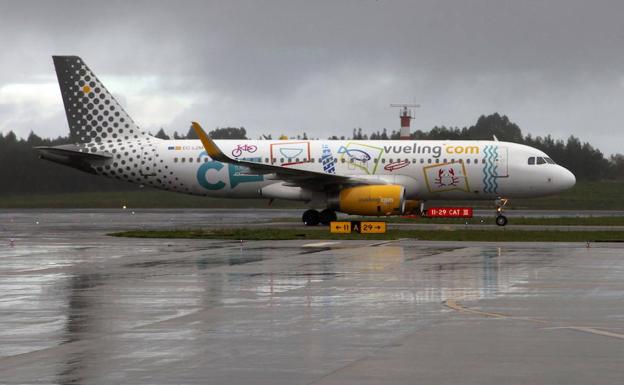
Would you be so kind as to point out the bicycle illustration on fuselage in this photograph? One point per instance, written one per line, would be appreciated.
(240, 148)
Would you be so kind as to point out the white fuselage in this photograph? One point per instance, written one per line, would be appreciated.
(427, 169)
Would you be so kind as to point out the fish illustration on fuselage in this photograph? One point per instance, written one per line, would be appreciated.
(355, 154)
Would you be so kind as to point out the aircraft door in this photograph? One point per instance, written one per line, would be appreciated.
(148, 159)
(502, 162)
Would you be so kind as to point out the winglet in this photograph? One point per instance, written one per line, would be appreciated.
(211, 148)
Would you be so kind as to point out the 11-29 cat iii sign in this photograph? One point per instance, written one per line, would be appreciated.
(449, 212)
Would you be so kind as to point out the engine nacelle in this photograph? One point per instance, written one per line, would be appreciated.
(370, 200)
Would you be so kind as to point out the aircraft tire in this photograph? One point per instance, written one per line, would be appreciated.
(327, 216)
(501, 220)
(311, 217)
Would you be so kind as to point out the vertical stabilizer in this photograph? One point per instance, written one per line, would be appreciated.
(93, 114)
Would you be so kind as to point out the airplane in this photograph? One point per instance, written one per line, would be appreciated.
(358, 177)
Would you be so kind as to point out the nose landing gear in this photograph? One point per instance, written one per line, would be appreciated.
(500, 203)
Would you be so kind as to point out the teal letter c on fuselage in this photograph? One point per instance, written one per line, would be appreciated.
(236, 178)
(203, 170)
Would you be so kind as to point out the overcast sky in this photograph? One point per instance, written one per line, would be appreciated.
(324, 67)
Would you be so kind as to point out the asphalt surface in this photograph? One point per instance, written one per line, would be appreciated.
(77, 306)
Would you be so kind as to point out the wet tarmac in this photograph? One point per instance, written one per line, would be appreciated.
(79, 307)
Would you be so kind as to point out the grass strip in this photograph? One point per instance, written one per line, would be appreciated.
(490, 220)
(433, 235)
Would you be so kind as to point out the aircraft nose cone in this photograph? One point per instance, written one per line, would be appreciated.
(567, 179)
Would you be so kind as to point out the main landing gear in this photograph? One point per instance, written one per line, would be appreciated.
(501, 220)
(313, 217)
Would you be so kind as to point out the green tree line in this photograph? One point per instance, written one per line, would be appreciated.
(22, 172)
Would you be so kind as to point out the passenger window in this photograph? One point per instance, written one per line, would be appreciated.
(175, 160)
(383, 160)
(266, 160)
(429, 160)
(540, 160)
(182, 160)
(468, 161)
(532, 160)
(422, 160)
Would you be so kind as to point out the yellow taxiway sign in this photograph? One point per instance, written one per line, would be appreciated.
(357, 227)
(340, 227)
(372, 227)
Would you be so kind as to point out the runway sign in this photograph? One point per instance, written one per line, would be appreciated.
(372, 227)
(449, 212)
(358, 227)
(340, 227)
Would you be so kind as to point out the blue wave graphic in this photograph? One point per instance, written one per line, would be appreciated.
(490, 170)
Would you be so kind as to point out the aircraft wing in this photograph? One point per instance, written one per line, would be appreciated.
(304, 178)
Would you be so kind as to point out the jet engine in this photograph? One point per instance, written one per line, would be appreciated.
(370, 200)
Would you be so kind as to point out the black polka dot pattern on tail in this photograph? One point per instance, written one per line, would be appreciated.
(93, 113)
(98, 123)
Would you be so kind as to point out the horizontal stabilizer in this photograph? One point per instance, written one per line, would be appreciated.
(73, 156)
(72, 151)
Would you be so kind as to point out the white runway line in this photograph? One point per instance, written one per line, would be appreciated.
(320, 244)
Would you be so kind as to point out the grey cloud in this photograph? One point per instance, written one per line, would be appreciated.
(553, 66)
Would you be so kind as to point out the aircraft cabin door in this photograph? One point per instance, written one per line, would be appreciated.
(502, 162)
(148, 159)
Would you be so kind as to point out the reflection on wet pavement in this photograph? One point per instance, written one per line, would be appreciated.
(77, 307)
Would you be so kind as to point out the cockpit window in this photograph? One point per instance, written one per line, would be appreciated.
(550, 161)
(540, 160)
(532, 160)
